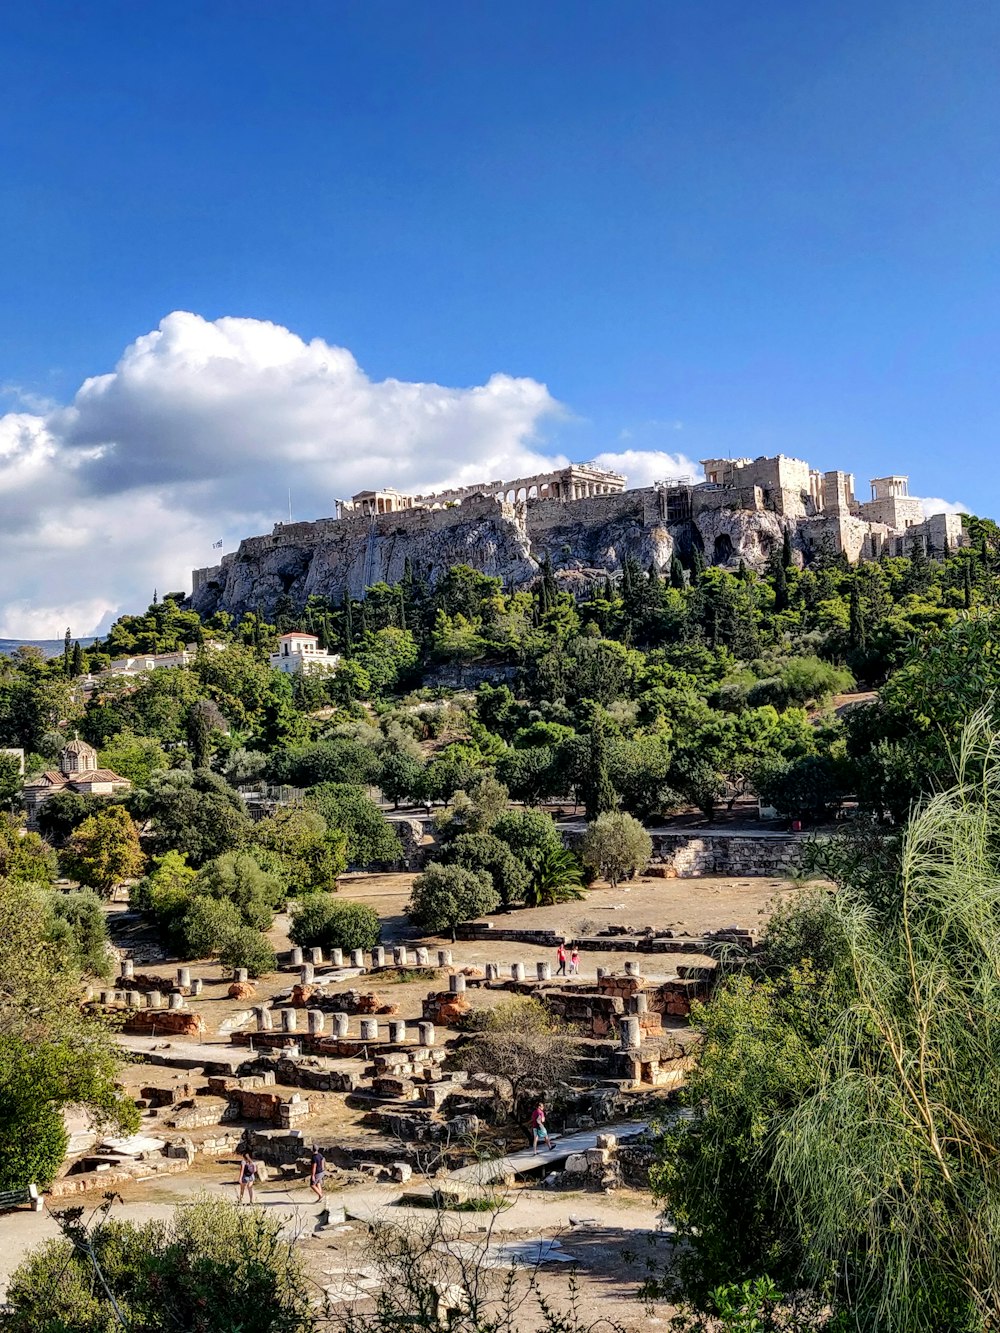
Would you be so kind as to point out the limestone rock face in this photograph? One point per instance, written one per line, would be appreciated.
(584, 540)
(330, 556)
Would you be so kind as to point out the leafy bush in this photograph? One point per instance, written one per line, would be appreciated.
(24, 857)
(79, 920)
(213, 1268)
(238, 878)
(616, 846)
(35, 1153)
(798, 681)
(443, 896)
(246, 947)
(207, 925)
(370, 837)
(332, 923)
(488, 854)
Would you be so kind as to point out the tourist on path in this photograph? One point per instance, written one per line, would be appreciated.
(539, 1133)
(317, 1173)
(248, 1175)
(561, 955)
(574, 963)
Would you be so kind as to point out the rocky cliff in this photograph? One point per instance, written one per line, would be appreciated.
(584, 540)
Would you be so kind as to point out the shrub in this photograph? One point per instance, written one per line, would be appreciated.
(35, 1153)
(444, 896)
(488, 854)
(207, 925)
(616, 846)
(79, 920)
(212, 1268)
(332, 923)
(347, 808)
(246, 947)
(238, 878)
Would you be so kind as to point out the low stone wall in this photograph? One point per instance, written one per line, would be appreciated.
(741, 855)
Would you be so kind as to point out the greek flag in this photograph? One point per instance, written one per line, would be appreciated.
(216, 545)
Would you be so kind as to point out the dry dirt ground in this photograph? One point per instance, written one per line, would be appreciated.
(613, 1251)
(612, 1243)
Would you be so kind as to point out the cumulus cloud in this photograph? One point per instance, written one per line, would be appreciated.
(197, 434)
(643, 467)
(932, 505)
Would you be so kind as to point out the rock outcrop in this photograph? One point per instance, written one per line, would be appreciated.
(584, 540)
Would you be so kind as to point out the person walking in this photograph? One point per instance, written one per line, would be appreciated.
(574, 962)
(539, 1132)
(561, 956)
(248, 1175)
(317, 1173)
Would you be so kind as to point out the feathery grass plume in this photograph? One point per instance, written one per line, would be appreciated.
(893, 1162)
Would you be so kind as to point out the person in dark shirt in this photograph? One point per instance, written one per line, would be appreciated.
(317, 1173)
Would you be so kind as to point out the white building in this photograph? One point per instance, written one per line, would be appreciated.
(301, 654)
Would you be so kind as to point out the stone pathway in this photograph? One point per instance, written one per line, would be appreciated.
(490, 1169)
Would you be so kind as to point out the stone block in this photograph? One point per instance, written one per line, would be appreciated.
(576, 1164)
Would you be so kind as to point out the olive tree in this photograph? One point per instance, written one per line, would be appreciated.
(616, 846)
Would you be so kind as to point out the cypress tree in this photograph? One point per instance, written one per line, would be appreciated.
(697, 565)
(348, 623)
(600, 794)
(77, 667)
(67, 650)
(780, 588)
(857, 634)
(676, 573)
(967, 584)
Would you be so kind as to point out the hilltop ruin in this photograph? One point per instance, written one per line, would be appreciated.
(584, 520)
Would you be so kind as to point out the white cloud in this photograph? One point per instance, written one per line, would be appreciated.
(643, 467)
(198, 433)
(932, 505)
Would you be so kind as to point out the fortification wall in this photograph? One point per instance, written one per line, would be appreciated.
(353, 553)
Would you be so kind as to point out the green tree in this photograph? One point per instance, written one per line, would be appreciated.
(11, 782)
(212, 1268)
(528, 834)
(207, 926)
(599, 794)
(238, 878)
(247, 947)
(134, 757)
(64, 811)
(78, 922)
(399, 777)
(486, 853)
(347, 809)
(334, 923)
(616, 846)
(104, 850)
(53, 1052)
(196, 813)
(166, 890)
(302, 849)
(444, 896)
(25, 858)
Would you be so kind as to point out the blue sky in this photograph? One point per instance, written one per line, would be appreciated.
(707, 228)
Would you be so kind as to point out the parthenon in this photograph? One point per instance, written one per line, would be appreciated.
(577, 481)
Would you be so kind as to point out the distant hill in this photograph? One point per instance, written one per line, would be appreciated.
(50, 647)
